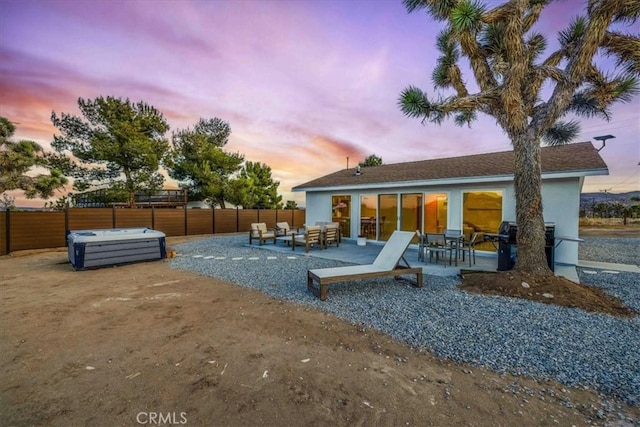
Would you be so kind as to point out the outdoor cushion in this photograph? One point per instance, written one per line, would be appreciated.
(260, 231)
(283, 229)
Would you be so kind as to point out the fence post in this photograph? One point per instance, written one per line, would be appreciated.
(113, 216)
(153, 217)
(186, 222)
(66, 222)
(7, 226)
(237, 219)
(213, 219)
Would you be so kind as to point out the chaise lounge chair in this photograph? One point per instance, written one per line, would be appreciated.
(386, 264)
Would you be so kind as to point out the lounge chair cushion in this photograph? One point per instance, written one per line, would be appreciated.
(346, 272)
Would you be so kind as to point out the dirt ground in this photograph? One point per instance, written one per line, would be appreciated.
(545, 289)
(553, 289)
(145, 344)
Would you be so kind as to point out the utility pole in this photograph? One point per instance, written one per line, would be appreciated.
(606, 198)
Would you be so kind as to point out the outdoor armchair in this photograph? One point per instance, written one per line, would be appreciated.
(260, 232)
(331, 234)
(283, 229)
(311, 236)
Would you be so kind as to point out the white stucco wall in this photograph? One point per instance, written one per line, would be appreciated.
(561, 205)
(560, 197)
(318, 207)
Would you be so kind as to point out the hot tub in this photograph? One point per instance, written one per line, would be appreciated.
(97, 248)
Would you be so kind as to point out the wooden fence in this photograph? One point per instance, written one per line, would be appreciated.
(21, 230)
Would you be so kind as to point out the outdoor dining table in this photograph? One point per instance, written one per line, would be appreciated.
(453, 240)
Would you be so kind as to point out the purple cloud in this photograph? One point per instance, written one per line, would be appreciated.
(313, 81)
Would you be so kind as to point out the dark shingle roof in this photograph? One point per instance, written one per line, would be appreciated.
(566, 158)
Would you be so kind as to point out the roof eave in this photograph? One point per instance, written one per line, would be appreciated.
(576, 173)
(453, 181)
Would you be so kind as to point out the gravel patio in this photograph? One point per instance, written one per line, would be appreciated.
(504, 334)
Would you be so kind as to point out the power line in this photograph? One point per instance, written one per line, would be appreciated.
(601, 128)
(626, 179)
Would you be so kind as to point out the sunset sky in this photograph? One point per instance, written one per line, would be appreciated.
(303, 84)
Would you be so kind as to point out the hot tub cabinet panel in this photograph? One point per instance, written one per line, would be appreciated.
(98, 248)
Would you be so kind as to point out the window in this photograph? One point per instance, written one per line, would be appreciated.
(481, 213)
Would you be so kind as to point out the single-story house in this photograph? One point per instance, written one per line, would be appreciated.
(473, 193)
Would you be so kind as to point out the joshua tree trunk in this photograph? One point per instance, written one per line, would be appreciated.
(529, 215)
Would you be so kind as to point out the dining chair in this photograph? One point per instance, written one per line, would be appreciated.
(470, 248)
(454, 238)
(422, 240)
(436, 243)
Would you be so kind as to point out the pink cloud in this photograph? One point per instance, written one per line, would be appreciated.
(303, 84)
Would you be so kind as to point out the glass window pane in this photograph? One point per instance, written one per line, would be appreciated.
(411, 213)
(481, 213)
(368, 215)
(435, 212)
(341, 213)
(388, 216)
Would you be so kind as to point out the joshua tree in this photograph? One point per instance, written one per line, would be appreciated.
(505, 57)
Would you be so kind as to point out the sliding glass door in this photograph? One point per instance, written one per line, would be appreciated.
(341, 213)
(368, 216)
(411, 212)
(388, 219)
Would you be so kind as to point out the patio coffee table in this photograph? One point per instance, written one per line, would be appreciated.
(286, 239)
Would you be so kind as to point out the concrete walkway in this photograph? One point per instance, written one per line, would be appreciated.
(349, 251)
(609, 266)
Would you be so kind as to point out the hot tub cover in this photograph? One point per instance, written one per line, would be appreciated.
(102, 247)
